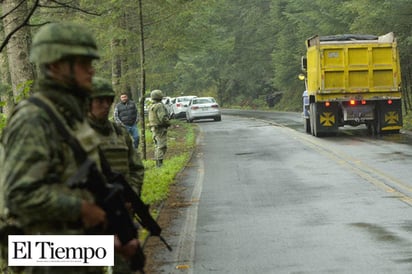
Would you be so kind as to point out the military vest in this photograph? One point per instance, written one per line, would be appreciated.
(115, 149)
(156, 113)
(63, 163)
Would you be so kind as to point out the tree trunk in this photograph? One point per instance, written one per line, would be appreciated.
(142, 80)
(6, 95)
(116, 67)
(21, 71)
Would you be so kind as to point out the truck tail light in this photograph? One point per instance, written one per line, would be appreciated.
(390, 102)
(363, 102)
(327, 104)
(352, 102)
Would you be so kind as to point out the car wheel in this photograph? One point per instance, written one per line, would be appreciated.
(218, 118)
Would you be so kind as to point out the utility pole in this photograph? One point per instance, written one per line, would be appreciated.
(142, 80)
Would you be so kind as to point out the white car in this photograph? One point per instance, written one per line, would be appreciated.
(167, 102)
(179, 106)
(203, 108)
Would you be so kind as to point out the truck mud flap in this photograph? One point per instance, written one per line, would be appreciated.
(389, 116)
(326, 118)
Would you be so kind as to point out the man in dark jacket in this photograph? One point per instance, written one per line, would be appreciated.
(125, 113)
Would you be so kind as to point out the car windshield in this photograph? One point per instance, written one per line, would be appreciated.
(203, 101)
(183, 99)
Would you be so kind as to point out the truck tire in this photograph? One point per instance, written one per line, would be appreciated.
(311, 119)
(306, 125)
(377, 122)
(313, 116)
(371, 128)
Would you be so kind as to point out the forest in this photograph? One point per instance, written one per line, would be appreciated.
(239, 51)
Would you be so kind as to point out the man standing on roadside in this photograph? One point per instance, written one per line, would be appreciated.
(158, 123)
(125, 113)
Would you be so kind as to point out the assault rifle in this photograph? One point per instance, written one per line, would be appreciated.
(109, 196)
(140, 209)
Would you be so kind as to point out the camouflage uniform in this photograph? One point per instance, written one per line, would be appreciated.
(37, 162)
(158, 123)
(116, 143)
(117, 147)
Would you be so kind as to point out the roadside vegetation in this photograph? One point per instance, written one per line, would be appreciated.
(181, 142)
(407, 121)
(157, 181)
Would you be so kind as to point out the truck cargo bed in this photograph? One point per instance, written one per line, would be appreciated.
(353, 66)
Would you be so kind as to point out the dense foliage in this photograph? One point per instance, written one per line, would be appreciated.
(237, 50)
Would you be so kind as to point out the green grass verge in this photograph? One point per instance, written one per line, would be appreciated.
(157, 181)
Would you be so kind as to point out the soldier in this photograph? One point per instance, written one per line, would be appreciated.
(37, 159)
(158, 123)
(116, 145)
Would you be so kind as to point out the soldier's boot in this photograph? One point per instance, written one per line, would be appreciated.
(159, 163)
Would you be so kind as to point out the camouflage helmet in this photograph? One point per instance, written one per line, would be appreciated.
(101, 88)
(156, 94)
(55, 41)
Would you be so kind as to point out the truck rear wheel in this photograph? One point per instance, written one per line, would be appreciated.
(306, 125)
(313, 117)
(374, 127)
(371, 128)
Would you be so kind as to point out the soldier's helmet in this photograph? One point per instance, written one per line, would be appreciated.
(56, 41)
(156, 94)
(101, 88)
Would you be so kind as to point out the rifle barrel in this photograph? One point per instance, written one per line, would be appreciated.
(166, 244)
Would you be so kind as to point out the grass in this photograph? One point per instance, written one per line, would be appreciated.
(407, 121)
(181, 141)
(157, 181)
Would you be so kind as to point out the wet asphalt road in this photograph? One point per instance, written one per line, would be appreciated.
(265, 197)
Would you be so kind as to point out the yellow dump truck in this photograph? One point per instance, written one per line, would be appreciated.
(352, 80)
